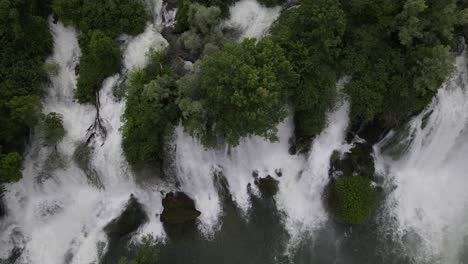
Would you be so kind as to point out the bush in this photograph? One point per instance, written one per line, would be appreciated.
(52, 129)
(149, 117)
(10, 167)
(312, 46)
(100, 58)
(352, 199)
(243, 91)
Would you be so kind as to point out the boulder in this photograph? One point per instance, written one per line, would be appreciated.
(268, 186)
(178, 209)
(129, 221)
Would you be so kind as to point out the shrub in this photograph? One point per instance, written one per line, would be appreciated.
(243, 91)
(10, 167)
(352, 199)
(149, 117)
(100, 59)
(52, 129)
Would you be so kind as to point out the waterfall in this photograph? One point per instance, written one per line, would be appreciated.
(59, 215)
(426, 170)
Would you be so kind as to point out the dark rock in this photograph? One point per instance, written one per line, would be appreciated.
(267, 186)
(171, 4)
(255, 174)
(371, 132)
(77, 69)
(178, 209)
(129, 221)
(2, 203)
(292, 146)
(359, 161)
(279, 172)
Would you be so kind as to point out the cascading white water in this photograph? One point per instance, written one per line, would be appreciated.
(61, 217)
(430, 200)
(252, 19)
(302, 178)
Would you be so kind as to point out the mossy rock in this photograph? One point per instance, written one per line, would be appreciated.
(352, 199)
(178, 209)
(267, 186)
(358, 162)
(129, 221)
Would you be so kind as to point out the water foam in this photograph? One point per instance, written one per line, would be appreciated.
(429, 202)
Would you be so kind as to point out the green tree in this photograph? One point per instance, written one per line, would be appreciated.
(243, 91)
(311, 36)
(150, 115)
(112, 17)
(100, 59)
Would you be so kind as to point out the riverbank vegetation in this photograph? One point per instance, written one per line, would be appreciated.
(25, 43)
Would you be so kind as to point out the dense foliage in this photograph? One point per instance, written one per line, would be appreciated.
(182, 16)
(397, 53)
(352, 199)
(398, 56)
(100, 59)
(112, 17)
(204, 31)
(239, 91)
(100, 23)
(150, 112)
(311, 35)
(25, 42)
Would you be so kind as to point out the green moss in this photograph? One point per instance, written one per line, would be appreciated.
(352, 199)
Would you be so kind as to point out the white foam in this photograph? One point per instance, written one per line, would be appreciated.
(252, 18)
(430, 198)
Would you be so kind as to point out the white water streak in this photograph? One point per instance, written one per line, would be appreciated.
(430, 198)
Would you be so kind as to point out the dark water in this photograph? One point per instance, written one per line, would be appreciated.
(260, 238)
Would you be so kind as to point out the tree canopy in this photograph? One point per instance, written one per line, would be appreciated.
(243, 91)
(25, 42)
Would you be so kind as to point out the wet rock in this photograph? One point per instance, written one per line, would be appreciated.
(171, 4)
(279, 172)
(2, 208)
(255, 174)
(77, 69)
(178, 209)
(358, 162)
(129, 221)
(267, 186)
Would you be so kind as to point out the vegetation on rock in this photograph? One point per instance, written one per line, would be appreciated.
(51, 128)
(150, 114)
(352, 199)
(100, 59)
